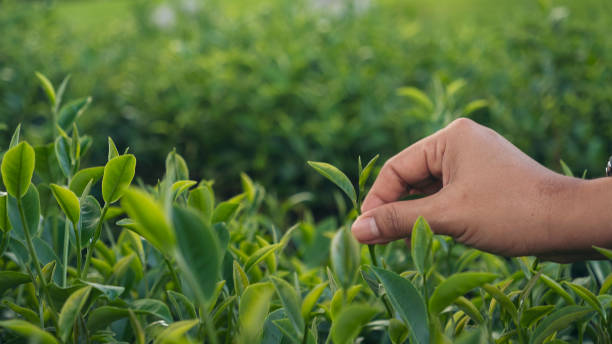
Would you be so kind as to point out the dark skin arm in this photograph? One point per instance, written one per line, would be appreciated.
(486, 193)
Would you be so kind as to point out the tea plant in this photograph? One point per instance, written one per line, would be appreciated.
(87, 257)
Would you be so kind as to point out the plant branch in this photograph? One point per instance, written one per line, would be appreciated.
(94, 241)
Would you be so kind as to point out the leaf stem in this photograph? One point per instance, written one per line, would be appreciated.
(65, 253)
(77, 236)
(175, 278)
(94, 241)
(5, 239)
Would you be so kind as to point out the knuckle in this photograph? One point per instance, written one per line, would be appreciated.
(393, 224)
(462, 124)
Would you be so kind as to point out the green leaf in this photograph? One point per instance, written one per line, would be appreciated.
(17, 169)
(181, 186)
(69, 113)
(60, 92)
(469, 308)
(12, 279)
(62, 154)
(31, 208)
(240, 279)
(311, 300)
(587, 296)
(347, 325)
(198, 250)
(224, 211)
(34, 333)
(112, 149)
(291, 303)
(345, 257)
(247, 186)
(101, 317)
(112, 292)
(26, 313)
(118, 174)
(152, 307)
(474, 106)
(364, 174)
(418, 96)
(176, 330)
(202, 198)
(337, 177)
(149, 215)
(184, 307)
(407, 301)
(421, 240)
(566, 170)
(531, 315)
(5, 224)
(556, 287)
(80, 180)
(15, 138)
(176, 166)
(252, 311)
(398, 332)
(604, 251)
(47, 87)
(502, 299)
(260, 255)
(558, 320)
(455, 286)
(90, 216)
(70, 311)
(68, 201)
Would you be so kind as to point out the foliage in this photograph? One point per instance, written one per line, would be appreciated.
(168, 263)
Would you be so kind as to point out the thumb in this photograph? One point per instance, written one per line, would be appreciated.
(394, 220)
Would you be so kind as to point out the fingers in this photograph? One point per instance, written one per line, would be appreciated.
(418, 167)
(394, 220)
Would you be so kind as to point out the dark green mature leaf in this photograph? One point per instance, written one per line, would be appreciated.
(118, 174)
(150, 219)
(345, 257)
(17, 169)
(69, 113)
(34, 333)
(365, 173)
(252, 311)
(198, 254)
(153, 307)
(82, 178)
(90, 215)
(347, 325)
(531, 315)
(407, 301)
(587, 296)
(291, 303)
(260, 255)
(62, 154)
(202, 198)
(12, 279)
(47, 166)
(455, 286)
(112, 292)
(420, 241)
(68, 201)
(559, 320)
(31, 208)
(5, 224)
(101, 317)
(26, 313)
(47, 87)
(337, 177)
(70, 311)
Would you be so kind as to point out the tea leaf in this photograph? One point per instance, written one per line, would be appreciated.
(337, 177)
(31, 208)
(455, 286)
(17, 169)
(62, 154)
(80, 180)
(469, 308)
(224, 211)
(421, 240)
(175, 331)
(531, 315)
(252, 311)
(5, 224)
(150, 219)
(60, 92)
(407, 301)
(101, 317)
(181, 186)
(347, 325)
(566, 170)
(398, 332)
(587, 296)
(240, 279)
(474, 106)
(68, 201)
(311, 300)
(112, 149)
(198, 250)
(364, 174)
(503, 300)
(558, 320)
(260, 255)
(345, 257)
(418, 96)
(556, 287)
(26, 313)
(182, 304)
(176, 166)
(12, 279)
(291, 303)
(34, 333)
(247, 186)
(69, 113)
(90, 216)
(47, 87)
(70, 311)
(604, 251)
(15, 138)
(203, 199)
(153, 307)
(118, 174)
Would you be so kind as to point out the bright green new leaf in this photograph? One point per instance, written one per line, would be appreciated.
(71, 310)
(198, 250)
(364, 174)
(260, 255)
(407, 301)
(311, 299)
(26, 313)
(5, 224)
(240, 278)
(118, 174)
(469, 308)
(112, 292)
(181, 186)
(345, 257)
(291, 303)
(69, 113)
(68, 201)
(47, 87)
(152, 307)
(224, 211)
(558, 320)
(17, 169)
(175, 332)
(112, 149)
(347, 325)
(531, 315)
(149, 216)
(202, 199)
(12, 279)
(398, 332)
(566, 170)
(420, 241)
(502, 299)
(183, 306)
(557, 288)
(62, 154)
(474, 106)
(604, 251)
(34, 333)
(337, 177)
(455, 286)
(15, 138)
(252, 311)
(587, 296)
(176, 166)
(418, 96)
(80, 180)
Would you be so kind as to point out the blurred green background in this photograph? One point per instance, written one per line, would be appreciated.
(263, 86)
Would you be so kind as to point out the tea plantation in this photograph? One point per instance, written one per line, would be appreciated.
(180, 185)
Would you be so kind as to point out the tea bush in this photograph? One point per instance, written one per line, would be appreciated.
(87, 257)
(244, 85)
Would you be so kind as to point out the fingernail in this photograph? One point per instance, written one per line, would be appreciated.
(365, 229)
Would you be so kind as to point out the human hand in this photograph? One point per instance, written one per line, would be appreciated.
(486, 193)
